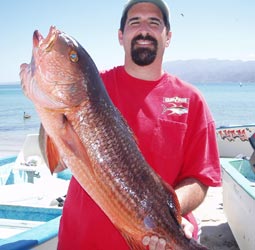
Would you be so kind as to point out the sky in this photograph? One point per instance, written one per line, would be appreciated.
(201, 29)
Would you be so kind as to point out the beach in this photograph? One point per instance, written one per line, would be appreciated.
(216, 233)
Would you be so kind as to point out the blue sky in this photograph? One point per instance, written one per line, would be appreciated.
(221, 29)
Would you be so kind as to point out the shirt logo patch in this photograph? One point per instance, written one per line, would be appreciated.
(175, 105)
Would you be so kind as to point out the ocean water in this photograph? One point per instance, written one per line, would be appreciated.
(13, 127)
(13, 104)
(230, 103)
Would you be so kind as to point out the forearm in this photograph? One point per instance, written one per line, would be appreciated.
(190, 193)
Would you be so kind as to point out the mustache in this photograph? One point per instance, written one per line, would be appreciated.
(142, 37)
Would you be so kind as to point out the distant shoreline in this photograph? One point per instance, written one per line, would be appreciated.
(10, 83)
(209, 70)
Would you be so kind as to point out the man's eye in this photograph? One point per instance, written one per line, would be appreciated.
(134, 23)
(155, 23)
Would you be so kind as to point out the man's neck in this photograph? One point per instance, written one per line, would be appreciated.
(151, 72)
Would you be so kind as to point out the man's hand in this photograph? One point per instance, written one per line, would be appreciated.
(156, 243)
(188, 228)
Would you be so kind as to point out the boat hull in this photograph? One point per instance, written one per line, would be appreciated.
(29, 219)
(26, 227)
(239, 200)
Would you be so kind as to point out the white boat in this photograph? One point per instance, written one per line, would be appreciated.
(236, 147)
(233, 140)
(30, 200)
(239, 200)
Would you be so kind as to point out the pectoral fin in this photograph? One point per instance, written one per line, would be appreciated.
(50, 152)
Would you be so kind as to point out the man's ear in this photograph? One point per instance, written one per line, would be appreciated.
(169, 36)
(120, 37)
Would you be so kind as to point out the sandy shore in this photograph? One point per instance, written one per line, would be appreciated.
(216, 233)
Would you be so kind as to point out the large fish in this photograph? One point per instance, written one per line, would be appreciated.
(85, 132)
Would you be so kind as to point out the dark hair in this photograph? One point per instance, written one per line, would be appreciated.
(164, 11)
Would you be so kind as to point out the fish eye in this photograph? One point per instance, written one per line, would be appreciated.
(74, 56)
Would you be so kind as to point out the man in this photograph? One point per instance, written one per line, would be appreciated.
(171, 121)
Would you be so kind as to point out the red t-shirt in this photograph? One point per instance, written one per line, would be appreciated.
(176, 134)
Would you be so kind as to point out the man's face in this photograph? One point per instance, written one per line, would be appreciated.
(145, 36)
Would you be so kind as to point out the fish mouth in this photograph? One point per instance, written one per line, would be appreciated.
(47, 43)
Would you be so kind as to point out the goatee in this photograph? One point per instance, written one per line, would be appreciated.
(144, 56)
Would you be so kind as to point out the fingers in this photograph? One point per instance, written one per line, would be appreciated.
(188, 228)
(188, 233)
(146, 240)
(154, 243)
(161, 244)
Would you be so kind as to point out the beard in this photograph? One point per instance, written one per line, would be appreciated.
(144, 56)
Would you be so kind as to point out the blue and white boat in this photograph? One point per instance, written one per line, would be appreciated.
(30, 200)
(238, 179)
(239, 200)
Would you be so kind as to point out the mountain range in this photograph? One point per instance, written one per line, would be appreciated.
(209, 70)
(212, 70)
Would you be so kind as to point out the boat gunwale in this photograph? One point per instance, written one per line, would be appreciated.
(239, 179)
(7, 160)
(29, 239)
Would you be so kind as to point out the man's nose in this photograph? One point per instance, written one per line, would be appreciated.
(144, 28)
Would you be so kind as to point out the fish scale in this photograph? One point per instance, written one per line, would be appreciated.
(82, 130)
